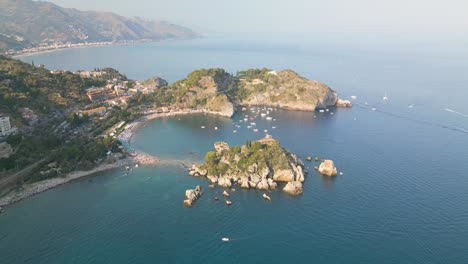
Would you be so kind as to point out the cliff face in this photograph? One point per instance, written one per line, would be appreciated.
(205, 89)
(285, 89)
(216, 91)
(258, 165)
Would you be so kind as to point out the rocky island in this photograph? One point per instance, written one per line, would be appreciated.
(261, 165)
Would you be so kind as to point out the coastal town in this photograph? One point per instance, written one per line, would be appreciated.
(46, 47)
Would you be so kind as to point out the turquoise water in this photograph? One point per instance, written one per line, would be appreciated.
(402, 198)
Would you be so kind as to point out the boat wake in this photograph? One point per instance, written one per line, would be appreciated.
(441, 125)
(455, 112)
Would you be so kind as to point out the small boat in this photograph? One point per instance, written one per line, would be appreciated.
(373, 108)
(253, 124)
(252, 119)
(234, 131)
(202, 126)
(136, 165)
(263, 114)
(385, 98)
(321, 111)
(411, 106)
(269, 118)
(353, 97)
(245, 119)
(273, 127)
(266, 131)
(255, 130)
(225, 239)
(216, 128)
(249, 126)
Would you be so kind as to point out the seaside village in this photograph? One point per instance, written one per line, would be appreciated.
(101, 99)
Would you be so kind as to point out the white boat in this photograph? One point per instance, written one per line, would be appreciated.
(373, 108)
(249, 126)
(202, 126)
(253, 124)
(216, 128)
(353, 97)
(321, 111)
(263, 114)
(245, 119)
(385, 98)
(269, 118)
(411, 106)
(234, 131)
(225, 239)
(273, 127)
(266, 131)
(255, 130)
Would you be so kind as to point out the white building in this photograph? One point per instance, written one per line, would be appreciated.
(5, 126)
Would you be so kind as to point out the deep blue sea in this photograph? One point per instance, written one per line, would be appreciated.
(402, 198)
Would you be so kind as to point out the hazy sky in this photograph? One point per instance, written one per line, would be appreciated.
(296, 16)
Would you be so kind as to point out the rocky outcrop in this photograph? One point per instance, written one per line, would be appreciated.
(327, 168)
(285, 89)
(196, 171)
(257, 165)
(220, 147)
(293, 188)
(343, 103)
(192, 195)
(216, 91)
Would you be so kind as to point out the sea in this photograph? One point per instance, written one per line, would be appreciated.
(402, 196)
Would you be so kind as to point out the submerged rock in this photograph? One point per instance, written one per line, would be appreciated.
(327, 168)
(266, 197)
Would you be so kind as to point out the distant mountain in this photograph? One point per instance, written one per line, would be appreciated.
(27, 23)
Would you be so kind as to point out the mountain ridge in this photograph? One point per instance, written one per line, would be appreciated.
(29, 24)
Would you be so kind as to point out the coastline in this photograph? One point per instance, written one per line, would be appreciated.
(21, 54)
(32, 189)
(135, 157)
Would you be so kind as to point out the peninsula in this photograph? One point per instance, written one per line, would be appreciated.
(260, 164)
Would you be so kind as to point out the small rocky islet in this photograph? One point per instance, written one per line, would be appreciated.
(261, 164)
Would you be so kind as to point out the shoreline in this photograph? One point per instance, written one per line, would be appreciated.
(20, 54)
(135, 157)
(30, 190)
(127, 134)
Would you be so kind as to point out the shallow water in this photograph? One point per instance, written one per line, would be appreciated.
(402, 198)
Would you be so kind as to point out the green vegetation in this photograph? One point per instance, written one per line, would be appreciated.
(240, 158)
(51, 96)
